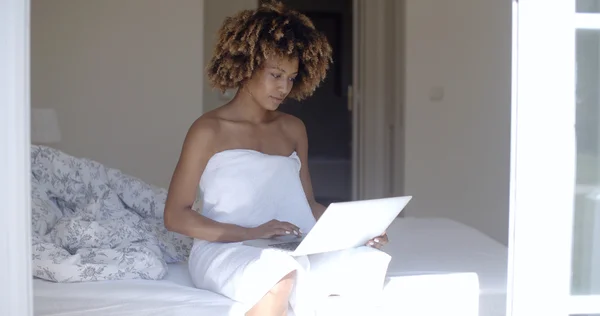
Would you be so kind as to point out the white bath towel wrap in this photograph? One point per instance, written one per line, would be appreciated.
(249, 188)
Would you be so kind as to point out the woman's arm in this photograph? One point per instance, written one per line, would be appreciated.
(317, 208)
(178, 215)
(299, 131)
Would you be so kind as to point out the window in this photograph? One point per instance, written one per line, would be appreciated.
(554, 265)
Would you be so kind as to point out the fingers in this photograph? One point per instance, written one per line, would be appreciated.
(280, 232)
(284, 228)
(374, 243)
(384, 238)
(290, 228)
(378, 242)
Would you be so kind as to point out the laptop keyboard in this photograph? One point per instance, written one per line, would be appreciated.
(291, 246)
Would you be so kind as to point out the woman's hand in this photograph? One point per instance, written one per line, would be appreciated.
(272, 229)
(378, 242)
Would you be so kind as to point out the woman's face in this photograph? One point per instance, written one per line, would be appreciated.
(270, 85)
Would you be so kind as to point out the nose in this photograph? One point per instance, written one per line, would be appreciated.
(284, 87)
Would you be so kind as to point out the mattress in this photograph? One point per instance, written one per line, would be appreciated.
(438, 248)
(421, 295)
(438, 267)
(175, 295)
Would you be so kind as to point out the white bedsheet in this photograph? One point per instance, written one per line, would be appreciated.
(175, 295)
(423, 295)
(454, 294)
(439, 267)
(437, 246)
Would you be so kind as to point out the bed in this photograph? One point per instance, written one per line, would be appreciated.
(99, 247)
(438, 267)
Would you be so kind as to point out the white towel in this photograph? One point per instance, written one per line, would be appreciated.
(249, 188)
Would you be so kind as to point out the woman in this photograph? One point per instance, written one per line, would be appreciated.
(250, 162)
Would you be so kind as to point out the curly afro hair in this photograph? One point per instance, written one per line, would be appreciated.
(248, 38)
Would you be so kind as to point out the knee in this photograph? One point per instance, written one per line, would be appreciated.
(285, 285)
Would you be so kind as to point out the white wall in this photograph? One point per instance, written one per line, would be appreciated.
(126, 78)
(457, 149)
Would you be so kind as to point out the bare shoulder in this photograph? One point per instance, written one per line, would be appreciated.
(295, 131)
(204, 126)
(202, 132)
(293, 126)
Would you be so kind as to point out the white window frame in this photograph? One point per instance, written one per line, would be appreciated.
(543, 159)
(15, 226)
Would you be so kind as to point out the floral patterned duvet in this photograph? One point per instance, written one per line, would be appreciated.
(93, 223)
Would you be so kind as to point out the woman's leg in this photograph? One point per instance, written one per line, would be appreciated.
(258, 279)
(275, 302)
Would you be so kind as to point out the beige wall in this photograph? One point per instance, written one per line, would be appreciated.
(215, 13)
(457, 149)
(125, 77)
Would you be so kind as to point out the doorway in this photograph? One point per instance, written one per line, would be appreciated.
(326, 114)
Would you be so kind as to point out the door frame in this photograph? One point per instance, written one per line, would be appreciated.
(16, 296)
(536, 276)
(376, 105)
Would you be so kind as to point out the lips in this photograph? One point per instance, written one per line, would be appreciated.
(277, 99)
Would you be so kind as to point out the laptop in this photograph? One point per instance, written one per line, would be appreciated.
(344, 225)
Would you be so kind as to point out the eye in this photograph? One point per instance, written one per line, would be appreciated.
(276, 76)
(293, 79)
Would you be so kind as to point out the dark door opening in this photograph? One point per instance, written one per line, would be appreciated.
(326, 116)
